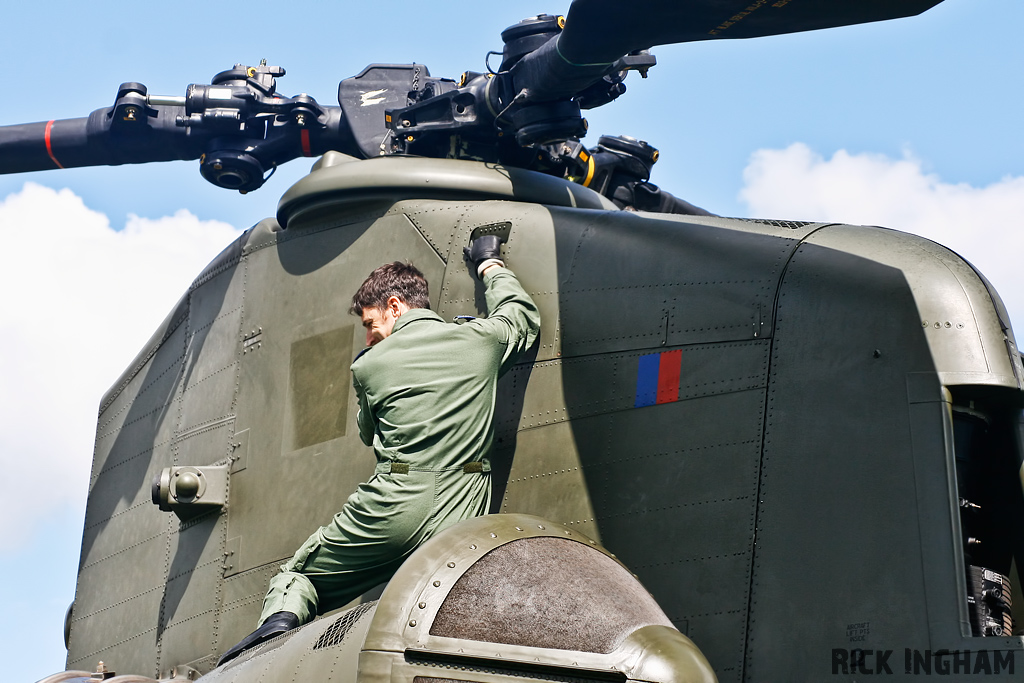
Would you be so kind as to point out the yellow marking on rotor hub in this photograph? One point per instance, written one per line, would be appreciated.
(590, 170)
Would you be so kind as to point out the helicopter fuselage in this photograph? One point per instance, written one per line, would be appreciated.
(773, 424)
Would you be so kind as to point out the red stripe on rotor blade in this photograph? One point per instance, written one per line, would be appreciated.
(49, 148)
(304, 136)
(668, 376)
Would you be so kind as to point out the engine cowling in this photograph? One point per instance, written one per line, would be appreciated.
(491, 600)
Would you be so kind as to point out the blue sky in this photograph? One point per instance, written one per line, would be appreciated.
(913, 123)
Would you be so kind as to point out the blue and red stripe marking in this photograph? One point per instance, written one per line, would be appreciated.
(657, 378)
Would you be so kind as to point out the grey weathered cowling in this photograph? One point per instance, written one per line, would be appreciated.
(543, 591)
(514, 594)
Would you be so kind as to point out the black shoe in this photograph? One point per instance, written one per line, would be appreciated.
(275, 625)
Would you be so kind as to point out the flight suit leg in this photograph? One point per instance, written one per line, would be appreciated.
(382, 523)
(363, 545)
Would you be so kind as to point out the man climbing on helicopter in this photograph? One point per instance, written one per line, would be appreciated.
(426, 393)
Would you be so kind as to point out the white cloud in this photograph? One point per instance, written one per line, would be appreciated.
(985, 225)
(79, 301)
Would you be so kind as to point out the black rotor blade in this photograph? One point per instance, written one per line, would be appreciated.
(88, 141)
(601, 31)
(94, 141)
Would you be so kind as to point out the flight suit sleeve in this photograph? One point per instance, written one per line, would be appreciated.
(364, 417)
(511, 313)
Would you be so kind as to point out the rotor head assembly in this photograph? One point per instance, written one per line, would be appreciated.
(527, 114)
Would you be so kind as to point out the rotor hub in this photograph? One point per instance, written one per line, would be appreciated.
(528, 35)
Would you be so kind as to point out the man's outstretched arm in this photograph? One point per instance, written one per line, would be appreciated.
(510, 305)
(510, 310)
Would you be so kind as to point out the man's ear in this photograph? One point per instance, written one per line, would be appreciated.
(395, 305)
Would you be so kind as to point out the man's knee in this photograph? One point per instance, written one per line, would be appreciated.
(304, 555)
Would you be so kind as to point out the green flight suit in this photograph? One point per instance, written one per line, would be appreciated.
(426, 405)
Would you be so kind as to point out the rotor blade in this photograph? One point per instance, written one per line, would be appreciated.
(92, 141)
(601, 31)
(71, 143)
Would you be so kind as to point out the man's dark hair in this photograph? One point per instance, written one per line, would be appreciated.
(392, 279)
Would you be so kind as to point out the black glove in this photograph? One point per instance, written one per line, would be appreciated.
(484, 251)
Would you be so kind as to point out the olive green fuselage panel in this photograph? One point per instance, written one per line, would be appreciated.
(698, 384)
(251, 371)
